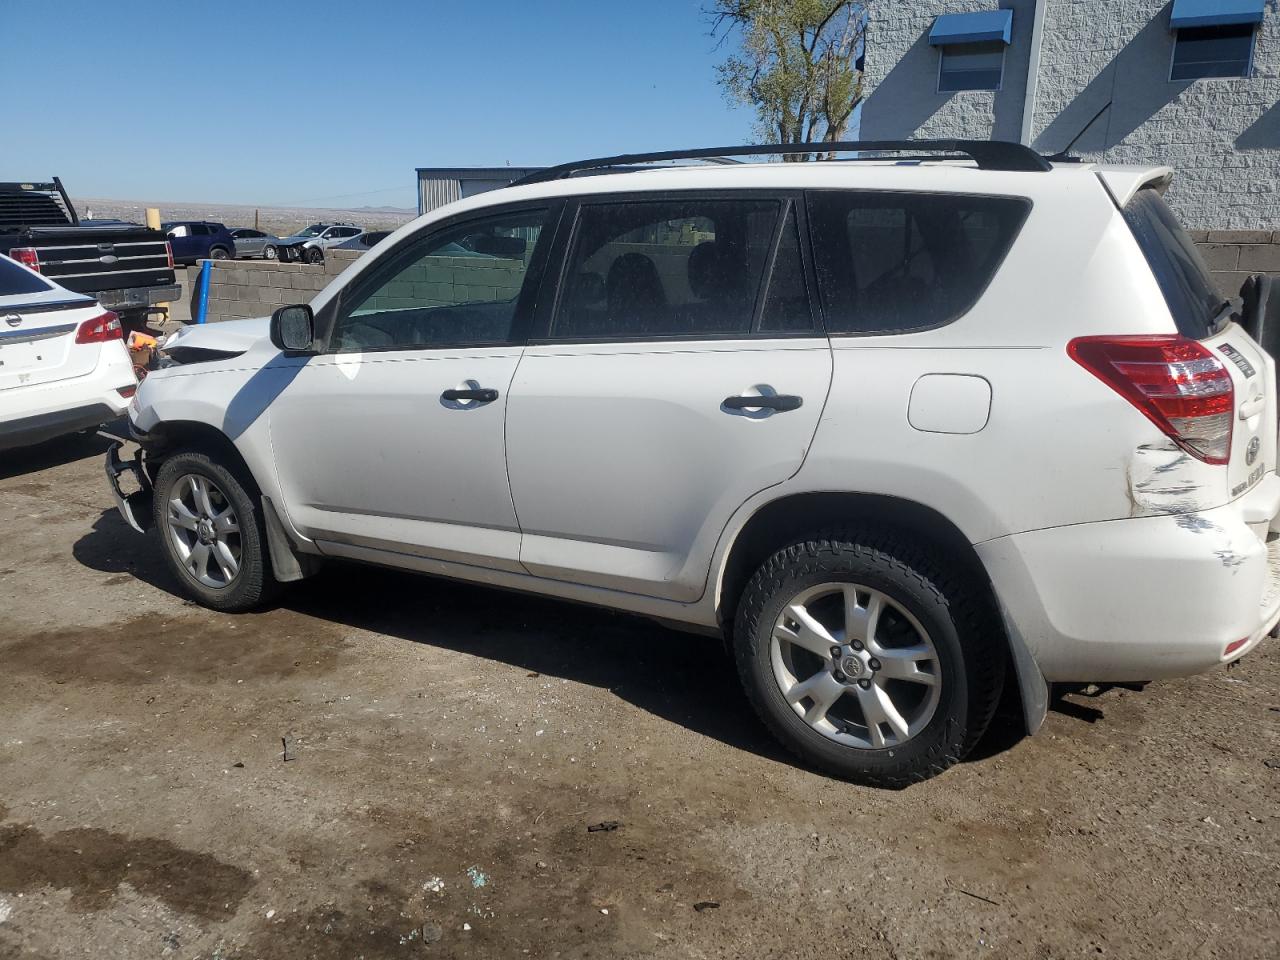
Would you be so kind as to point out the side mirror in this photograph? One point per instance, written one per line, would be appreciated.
(293, 328)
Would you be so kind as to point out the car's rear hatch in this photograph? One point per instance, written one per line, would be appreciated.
(1203, 314)
(38, 324)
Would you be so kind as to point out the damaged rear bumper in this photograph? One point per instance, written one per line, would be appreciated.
(134, 496)
(1142, 598)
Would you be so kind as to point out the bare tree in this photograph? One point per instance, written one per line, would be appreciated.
(798, 63)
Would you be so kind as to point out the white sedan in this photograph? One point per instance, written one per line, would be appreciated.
(63, 362)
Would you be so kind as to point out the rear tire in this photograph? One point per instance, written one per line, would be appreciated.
(212, 532)
(867, 659)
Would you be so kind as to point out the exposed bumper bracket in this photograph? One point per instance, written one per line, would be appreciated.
(134, 507)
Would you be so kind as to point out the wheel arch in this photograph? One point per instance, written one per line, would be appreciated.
(288, 563)
(799, 516)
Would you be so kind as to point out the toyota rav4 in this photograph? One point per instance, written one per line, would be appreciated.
(897, 428)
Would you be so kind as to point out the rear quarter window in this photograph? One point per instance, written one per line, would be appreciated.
(893, 262)
(1175, 262)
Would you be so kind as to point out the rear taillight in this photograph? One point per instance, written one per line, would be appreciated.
(100, 329)
(168, 249)
(26, 256)
(1177, 383)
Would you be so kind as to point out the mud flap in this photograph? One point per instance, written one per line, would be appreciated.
(135, 506)
(1032, 686)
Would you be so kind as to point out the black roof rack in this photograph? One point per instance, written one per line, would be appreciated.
(988, 154)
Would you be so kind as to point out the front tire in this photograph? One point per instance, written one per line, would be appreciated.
(868, 660)
(269, 252)
(219, 253)
(212, 532)
(315, 255)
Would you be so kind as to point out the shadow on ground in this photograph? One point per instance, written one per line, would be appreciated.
(683, 678)
(51, 453)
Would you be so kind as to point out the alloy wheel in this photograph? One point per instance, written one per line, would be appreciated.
(205, 531)
(855, 665)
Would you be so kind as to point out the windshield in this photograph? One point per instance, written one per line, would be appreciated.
(312, 231)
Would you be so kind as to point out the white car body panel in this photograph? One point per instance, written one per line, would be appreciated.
(49, 384)
(645, 518)
(1114, 554)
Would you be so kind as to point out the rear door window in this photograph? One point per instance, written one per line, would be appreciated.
(676, 269)
(892, 262)
(1175, 262)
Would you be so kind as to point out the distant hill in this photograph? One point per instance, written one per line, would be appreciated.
(278, 220)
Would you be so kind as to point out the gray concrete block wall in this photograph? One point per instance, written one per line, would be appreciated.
(1222, 137)
(1234, 255)
(255, 288)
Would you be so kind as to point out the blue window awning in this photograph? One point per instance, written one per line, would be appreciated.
(1215, 13)
(982, 27)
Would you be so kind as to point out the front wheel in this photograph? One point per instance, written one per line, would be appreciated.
(315, 255)
(867, 660)
(219, 253)
(268, 252)
(212, 532)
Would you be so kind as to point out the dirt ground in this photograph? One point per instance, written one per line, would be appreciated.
(451, 747)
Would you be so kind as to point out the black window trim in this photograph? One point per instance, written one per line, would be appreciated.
(1249, 64)
(1027, 206)
(393, 260)
(554, 280)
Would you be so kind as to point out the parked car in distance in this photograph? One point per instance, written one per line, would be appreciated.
(63, 363)
(897, 430)
(310, 243)
(194, 240)
(363, 241)
(252, 243)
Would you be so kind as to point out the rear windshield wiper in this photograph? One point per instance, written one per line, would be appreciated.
(1229, 309)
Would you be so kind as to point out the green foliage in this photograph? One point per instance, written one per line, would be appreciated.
(796, 64)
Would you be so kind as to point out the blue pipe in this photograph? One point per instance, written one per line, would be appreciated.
(203, 309)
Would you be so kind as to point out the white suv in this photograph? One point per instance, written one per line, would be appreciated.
(899, 429)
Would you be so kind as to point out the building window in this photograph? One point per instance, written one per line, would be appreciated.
(971, 66)
(1216, 51)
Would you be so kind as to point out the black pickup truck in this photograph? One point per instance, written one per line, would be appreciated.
(126, 267)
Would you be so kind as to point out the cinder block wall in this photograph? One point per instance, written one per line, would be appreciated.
(1233, 255)
(255, 288)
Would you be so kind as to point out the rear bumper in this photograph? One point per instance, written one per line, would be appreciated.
(44, 426)
(30, 414)
(1144, 598)
(136, 298)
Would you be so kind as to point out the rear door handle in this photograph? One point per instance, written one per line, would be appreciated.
(781, 402)
(483, 394)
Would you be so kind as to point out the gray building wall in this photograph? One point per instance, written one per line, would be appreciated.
(440, 185)
(1222, 136)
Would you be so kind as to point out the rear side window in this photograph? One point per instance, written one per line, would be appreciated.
(678, 268)
(15, 281)
(1175, 262)
(893, 262)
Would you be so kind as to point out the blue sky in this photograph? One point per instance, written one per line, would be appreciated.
(322, 103)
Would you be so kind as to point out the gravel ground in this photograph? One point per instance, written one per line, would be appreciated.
(452, 746)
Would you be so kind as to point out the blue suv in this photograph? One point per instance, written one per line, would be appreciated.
(194, 240)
